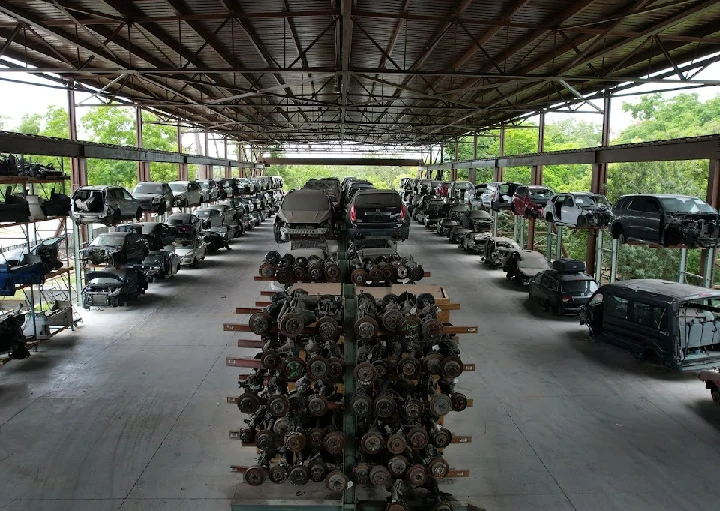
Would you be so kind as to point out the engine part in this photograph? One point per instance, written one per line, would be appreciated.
(255, 475)
(299, 475)
(336, 481)
(379, 475)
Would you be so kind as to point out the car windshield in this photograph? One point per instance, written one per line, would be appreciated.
(686, 205)
(541, 193)
(305, 202)
(148, 188)
(204, 185)
(378, 200)
(178, 187)
(110, 239)
(206, 213)
(579, 287)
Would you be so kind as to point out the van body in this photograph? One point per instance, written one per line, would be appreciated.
(678, 324)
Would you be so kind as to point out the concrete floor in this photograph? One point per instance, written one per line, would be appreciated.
(129, 411)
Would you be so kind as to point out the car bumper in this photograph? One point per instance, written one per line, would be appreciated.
(380, 231)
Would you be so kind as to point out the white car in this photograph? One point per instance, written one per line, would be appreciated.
(191, 251)
(187, 193)
(579, 209)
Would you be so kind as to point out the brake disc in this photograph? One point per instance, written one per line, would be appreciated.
(432, 363)
(295, 441)
(372, 442)
(365, 373)
(267, 270)
(315, 439)
(409, 367)
(278, 405)
(459, 401)
(417, 475)
(281, 427)
(359, 277)
(384, 406)
(451, 366)
(379, 475)
(328, 328)
(299, 475)
(270, 359)
(292, 324)
(255, 476)
(336, 481)
(361, 473)
(440, 405)
(336, 368)
(248, 402)
(277, 474)
(265, 440)
(366, 328)
(332, 272)
(318, 469)
(317, 405)
(397, 444)
(317, 367)
(412, 408)
(334, 442)
(418, 438)
(293, 368)
(397, 465)
(432, 330)
(260, 323)
(392, 320)
(438, 468)
(441, 438)
(360, 405)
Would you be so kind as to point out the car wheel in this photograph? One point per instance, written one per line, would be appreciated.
(554, 310)
(619, 234)
(195, 263)
(672, 237)
(715, 394)
(138, 214)
(549, 218)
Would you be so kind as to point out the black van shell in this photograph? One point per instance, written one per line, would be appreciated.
(653, 321)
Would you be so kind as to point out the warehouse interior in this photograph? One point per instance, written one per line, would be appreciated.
(137, 407)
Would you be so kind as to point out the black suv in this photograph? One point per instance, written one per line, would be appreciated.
(564, 289)
(666, 219)
(378, 213)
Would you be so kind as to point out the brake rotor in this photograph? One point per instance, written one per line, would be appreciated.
(277, 474)
(359, 277)
(315, 439)
(316, 274)
(334, 442)
(384, 406)
(440, 405)
(410, 328)
(409, 367)
(438, 468)
(295, 441)
(297, 404)
(332, 272)
(248, 402)
(293, 368)
(260, 323)
(451, 366)
(432, 363)
(386, 270)
(397, 444)
(379, 475)
(417, 475)
(292, 324)
(317, 405)
(412, 408)
(318, 469)
(299, 273)
(360, 405)
(299, 475)
(270, 359)
(415, 273)
(265, 440)
(402, 271)
(392, 320)
(425, 299)
(317, 367)
(418, 437)
(432, 330)
(247, 435)
(336, 368)
(361, 473)
(328, 328)
(336, 481)
(398, 505)
(255, 476)
(397, 465)
(442, 506)
(459, 401)
(366, 328)
(267, 270)
(365, 373)
(441, 438)
(381, 369)
(376, 275)
(372, 442)
(284, 276)
(281, 427)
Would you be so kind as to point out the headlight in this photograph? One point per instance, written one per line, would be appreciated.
(157, 199)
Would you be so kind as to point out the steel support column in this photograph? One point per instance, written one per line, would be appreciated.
(454, 171)
(206, 171)
(498, 174)
(472, 172)
(143, 167)
(78, 166)
(598, 184)
(712, 197)
(536, 178)
(182, 167)
(228, 168)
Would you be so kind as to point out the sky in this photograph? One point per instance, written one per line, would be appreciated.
(22, 99)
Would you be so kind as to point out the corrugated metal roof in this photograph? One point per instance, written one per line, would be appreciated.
(418, 71)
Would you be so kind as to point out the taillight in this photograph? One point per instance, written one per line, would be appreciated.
(403, 212)
(353, 214)
(567, 298)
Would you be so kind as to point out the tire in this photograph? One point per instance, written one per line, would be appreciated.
(195, 264)
(549, 218)
(715, 394)
(554, 310)
(138, 214)
(672, 237)
(582, 221)
(618, 233)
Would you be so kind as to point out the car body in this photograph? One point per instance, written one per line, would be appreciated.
(213, 221)
(442, 189)
(481, 196)
(28, 271)
(477, 220)
(209, 190)
(241, 211)
(304, 213)
(278, 182)
(111, 287)
(433, 212)
(502, 195)
(497, 249)
(47, 250)
(579, 209)
(107, 205)
(230, 216)
(529, 201)
(474, 242)
(245, 186)
(523, 265)
(187, 225)
(331, 187)
(355, 187)
(191, 251)
(562, 291)
(460, 190)
(157, 235)
(666, 220)
(712, 383)
(187, 193)
(160, 264)
(115, 248)
(378, 213)
(676, 324)
(154, 196)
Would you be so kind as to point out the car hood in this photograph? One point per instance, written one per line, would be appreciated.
(183, 251)
(304, 217)
(141, 196)
(105, 248)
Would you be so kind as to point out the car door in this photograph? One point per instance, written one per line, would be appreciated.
(569, 211)
(519, 200)
(652, 219)
(127, 203)
(168, 196)
(635, 224)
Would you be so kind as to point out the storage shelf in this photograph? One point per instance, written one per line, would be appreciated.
(48, 219)
(17, 180)
(49, 276)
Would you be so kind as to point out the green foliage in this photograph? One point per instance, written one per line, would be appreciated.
(295, 176)
(54, 123)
